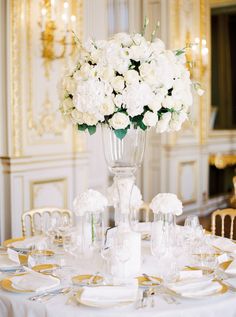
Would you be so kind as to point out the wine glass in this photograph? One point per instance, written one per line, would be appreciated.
(72, 243)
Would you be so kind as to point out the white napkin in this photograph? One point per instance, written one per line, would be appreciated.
(6, 263)
(231, 269)
(27, 243)
(195, 288)
(224, 244)
(35, 281)
(190, 274)
(109, 293)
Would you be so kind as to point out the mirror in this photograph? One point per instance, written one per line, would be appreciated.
(223, 67)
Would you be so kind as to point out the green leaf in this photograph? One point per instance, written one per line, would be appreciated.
(180, 52)
(82, 127)
(142, 125)
(120, 133)
(91, 129)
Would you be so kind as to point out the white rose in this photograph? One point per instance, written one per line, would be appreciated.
(118, 83)
(138, 53)
(163, 123)
(84, 71)
(67, 105)
(177, 120)
(156, 103)
(168, 102)
(69, 84)
(146, 70)
(118, 100)
(157, 47)
(138, 39)
(107, 107)
(150, 119)
(77, 117)
(119, 121)
(131, 76)
(89, 119)
(200, 91)
(108, 73)
(123, 38)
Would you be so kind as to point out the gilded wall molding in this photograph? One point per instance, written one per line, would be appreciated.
(31, 95)
(15, 76)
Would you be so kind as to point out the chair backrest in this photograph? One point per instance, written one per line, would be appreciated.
(228, 212)
(49, 211)
(146, 213)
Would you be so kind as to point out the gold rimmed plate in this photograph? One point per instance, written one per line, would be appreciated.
(144, 281)
(7, 285)
(86, 279)
(45, 268)
(222, 290)
(205, 270)
(42, 253)
(8, 243)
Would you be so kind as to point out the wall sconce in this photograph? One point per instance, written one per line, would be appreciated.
(197, 56)
(57, 20)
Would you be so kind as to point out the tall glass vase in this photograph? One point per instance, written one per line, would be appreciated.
(123, 158)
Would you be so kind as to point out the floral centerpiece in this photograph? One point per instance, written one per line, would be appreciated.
(166, 203)
(127, 81)
(89, 206)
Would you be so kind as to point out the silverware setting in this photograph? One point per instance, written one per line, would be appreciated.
(50, 294)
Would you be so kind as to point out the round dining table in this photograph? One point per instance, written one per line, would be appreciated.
(19, 305)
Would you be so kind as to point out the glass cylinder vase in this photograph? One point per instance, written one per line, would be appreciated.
(163, 233)
(123, 157)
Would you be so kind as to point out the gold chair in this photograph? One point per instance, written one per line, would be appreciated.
(32, 214)
(146, 213)
(228, 212)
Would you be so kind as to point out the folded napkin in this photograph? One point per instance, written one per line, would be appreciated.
(35, 282)
(6, 263)
(190, 274)
(109, 293)
(27, 243)
(231, 269)
(195, 287)
(224, 244)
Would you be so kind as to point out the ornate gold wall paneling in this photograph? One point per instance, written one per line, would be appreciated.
(38, 186)
(187, 171)
(37, 125)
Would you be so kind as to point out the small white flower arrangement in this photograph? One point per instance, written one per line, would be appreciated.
(89, 201)
(127, 81)
(166, 203)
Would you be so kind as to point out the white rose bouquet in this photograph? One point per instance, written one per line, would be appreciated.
(89, 201)
(127, 81)
(167, 204)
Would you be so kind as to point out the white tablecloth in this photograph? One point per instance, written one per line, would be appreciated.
(18, 305)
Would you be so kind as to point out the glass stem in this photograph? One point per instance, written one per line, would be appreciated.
(92, 228)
